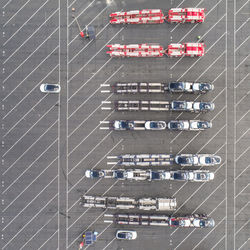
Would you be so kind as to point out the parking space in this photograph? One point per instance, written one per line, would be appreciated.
(242, 129)
(88, 146)
(29, 125)
(50, 140)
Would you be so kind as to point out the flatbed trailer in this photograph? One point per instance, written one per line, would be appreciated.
(144, 160)
(141, 105)
(136, 87)
(187, 221)
(158, 88)
(158, 204)
(137, 105)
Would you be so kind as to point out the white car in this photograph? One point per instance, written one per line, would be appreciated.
(50, 88)
(197, 160)
(126, 235)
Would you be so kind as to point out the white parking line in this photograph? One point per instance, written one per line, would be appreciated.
(197, 191)
(31, 73)
(90, 224)
(88, 25)
(202, 35)
(48, 239)
(30, 202)
(83, 48)
(209, 197)
(241, 7)
(211, 139)
(75, 204)
(243, 244)
(24, 99)
(242, 190)
(184, 238)
(242, 43)
(201, 57)
(88, 134)
(31, 54)
(26, 169)
(72, 4)
(188, 32)
(242, 172)
(218, 242)
(19, 9)
(97, 89)
(242, 80)
(189, 142)
(219, 76)
(95, 55)
(82, 13)
(90, 78)
(242, 117)
(47, 19)
(7, 4)
(24, 23)
(109, 243)
(28, 130)
(246, 95)
(242, 208)
(242, 154)
(203, 183)
(23, 227)
(40, 230)
(209, 233)
(217, 205)
(90, 116)
(110, 187)
(28, 148)
(242, 136)
(90, 152)
(28, 186)
(242, 227)
(100, 233)
(241, 63)
(242, 25)
(95, 166)
(218, 58)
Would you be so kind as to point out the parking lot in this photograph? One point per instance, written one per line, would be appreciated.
(49, 141)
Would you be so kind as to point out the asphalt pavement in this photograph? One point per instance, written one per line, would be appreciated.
(49, 140)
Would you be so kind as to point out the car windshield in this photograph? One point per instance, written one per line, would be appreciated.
(201, 177)
(204, 86)
(185, 159)
(176, 85)
(124, 124)
(181, 105)
(153, 125)
(175, 222)
(201, 125)
(204, 105)
(122, 235)
(155, 176)
(95, 174)
(178, 176)
(119, 174)
(208, 160)
(51, 87)
(174, 124)
(202, 223)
